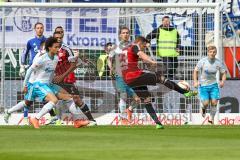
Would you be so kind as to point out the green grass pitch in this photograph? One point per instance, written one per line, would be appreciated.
(120, 143)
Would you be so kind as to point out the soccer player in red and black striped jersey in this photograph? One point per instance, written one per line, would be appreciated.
(65, 76)
(138, 79)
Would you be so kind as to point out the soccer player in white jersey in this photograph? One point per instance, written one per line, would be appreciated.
(43, 89)
(114, 63)
(44, 68)
(32, 48)
(27, 100)
(207, 84)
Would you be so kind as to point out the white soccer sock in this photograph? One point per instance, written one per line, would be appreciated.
(122, 105)
(213, 112)
(122, 102)
(72, 108)
(17, 107)
(59, 108)
(46, 108)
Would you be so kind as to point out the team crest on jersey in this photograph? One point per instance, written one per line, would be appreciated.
(49, 70)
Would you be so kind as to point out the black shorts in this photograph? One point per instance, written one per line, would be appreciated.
(139, 85)
(70, 88)
(147, 78)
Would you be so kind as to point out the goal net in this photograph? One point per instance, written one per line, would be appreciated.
(87, 29)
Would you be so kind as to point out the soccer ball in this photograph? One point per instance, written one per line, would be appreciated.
(184, 85)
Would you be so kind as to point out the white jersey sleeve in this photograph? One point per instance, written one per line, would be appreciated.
(35, 65)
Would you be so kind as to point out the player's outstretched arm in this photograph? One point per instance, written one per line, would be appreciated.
(146, 58)
(60, 78)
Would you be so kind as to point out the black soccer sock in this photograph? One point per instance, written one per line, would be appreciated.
(52, 113)
(172, 85)
(84, 108)
(152, 113)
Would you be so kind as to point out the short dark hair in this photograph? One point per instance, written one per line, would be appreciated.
(49, 43)
(58, 27)
(122, 28)
(108, 44)
(165, 17)
(141, 39)
(38, 23)
(56, 33)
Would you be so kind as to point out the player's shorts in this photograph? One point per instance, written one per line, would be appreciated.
(123, 87)
(146, 78)
(28, 95)
(210, 92)
(39, 91)
(70, 88)
(139, 85)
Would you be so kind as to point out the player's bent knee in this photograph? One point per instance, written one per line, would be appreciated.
(76, 98)
(79, 102)
(27, 103)
(214, 103)
(66, 96)
(161, 79)
(52, 98)
(55, 100)
(137, 99)
(205, 103)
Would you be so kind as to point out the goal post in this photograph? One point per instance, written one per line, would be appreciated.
(89, 26)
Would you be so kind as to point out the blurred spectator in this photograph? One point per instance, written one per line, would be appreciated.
(168, 44)
(102, 62)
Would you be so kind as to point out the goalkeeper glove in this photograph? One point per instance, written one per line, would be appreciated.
(22, 71)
